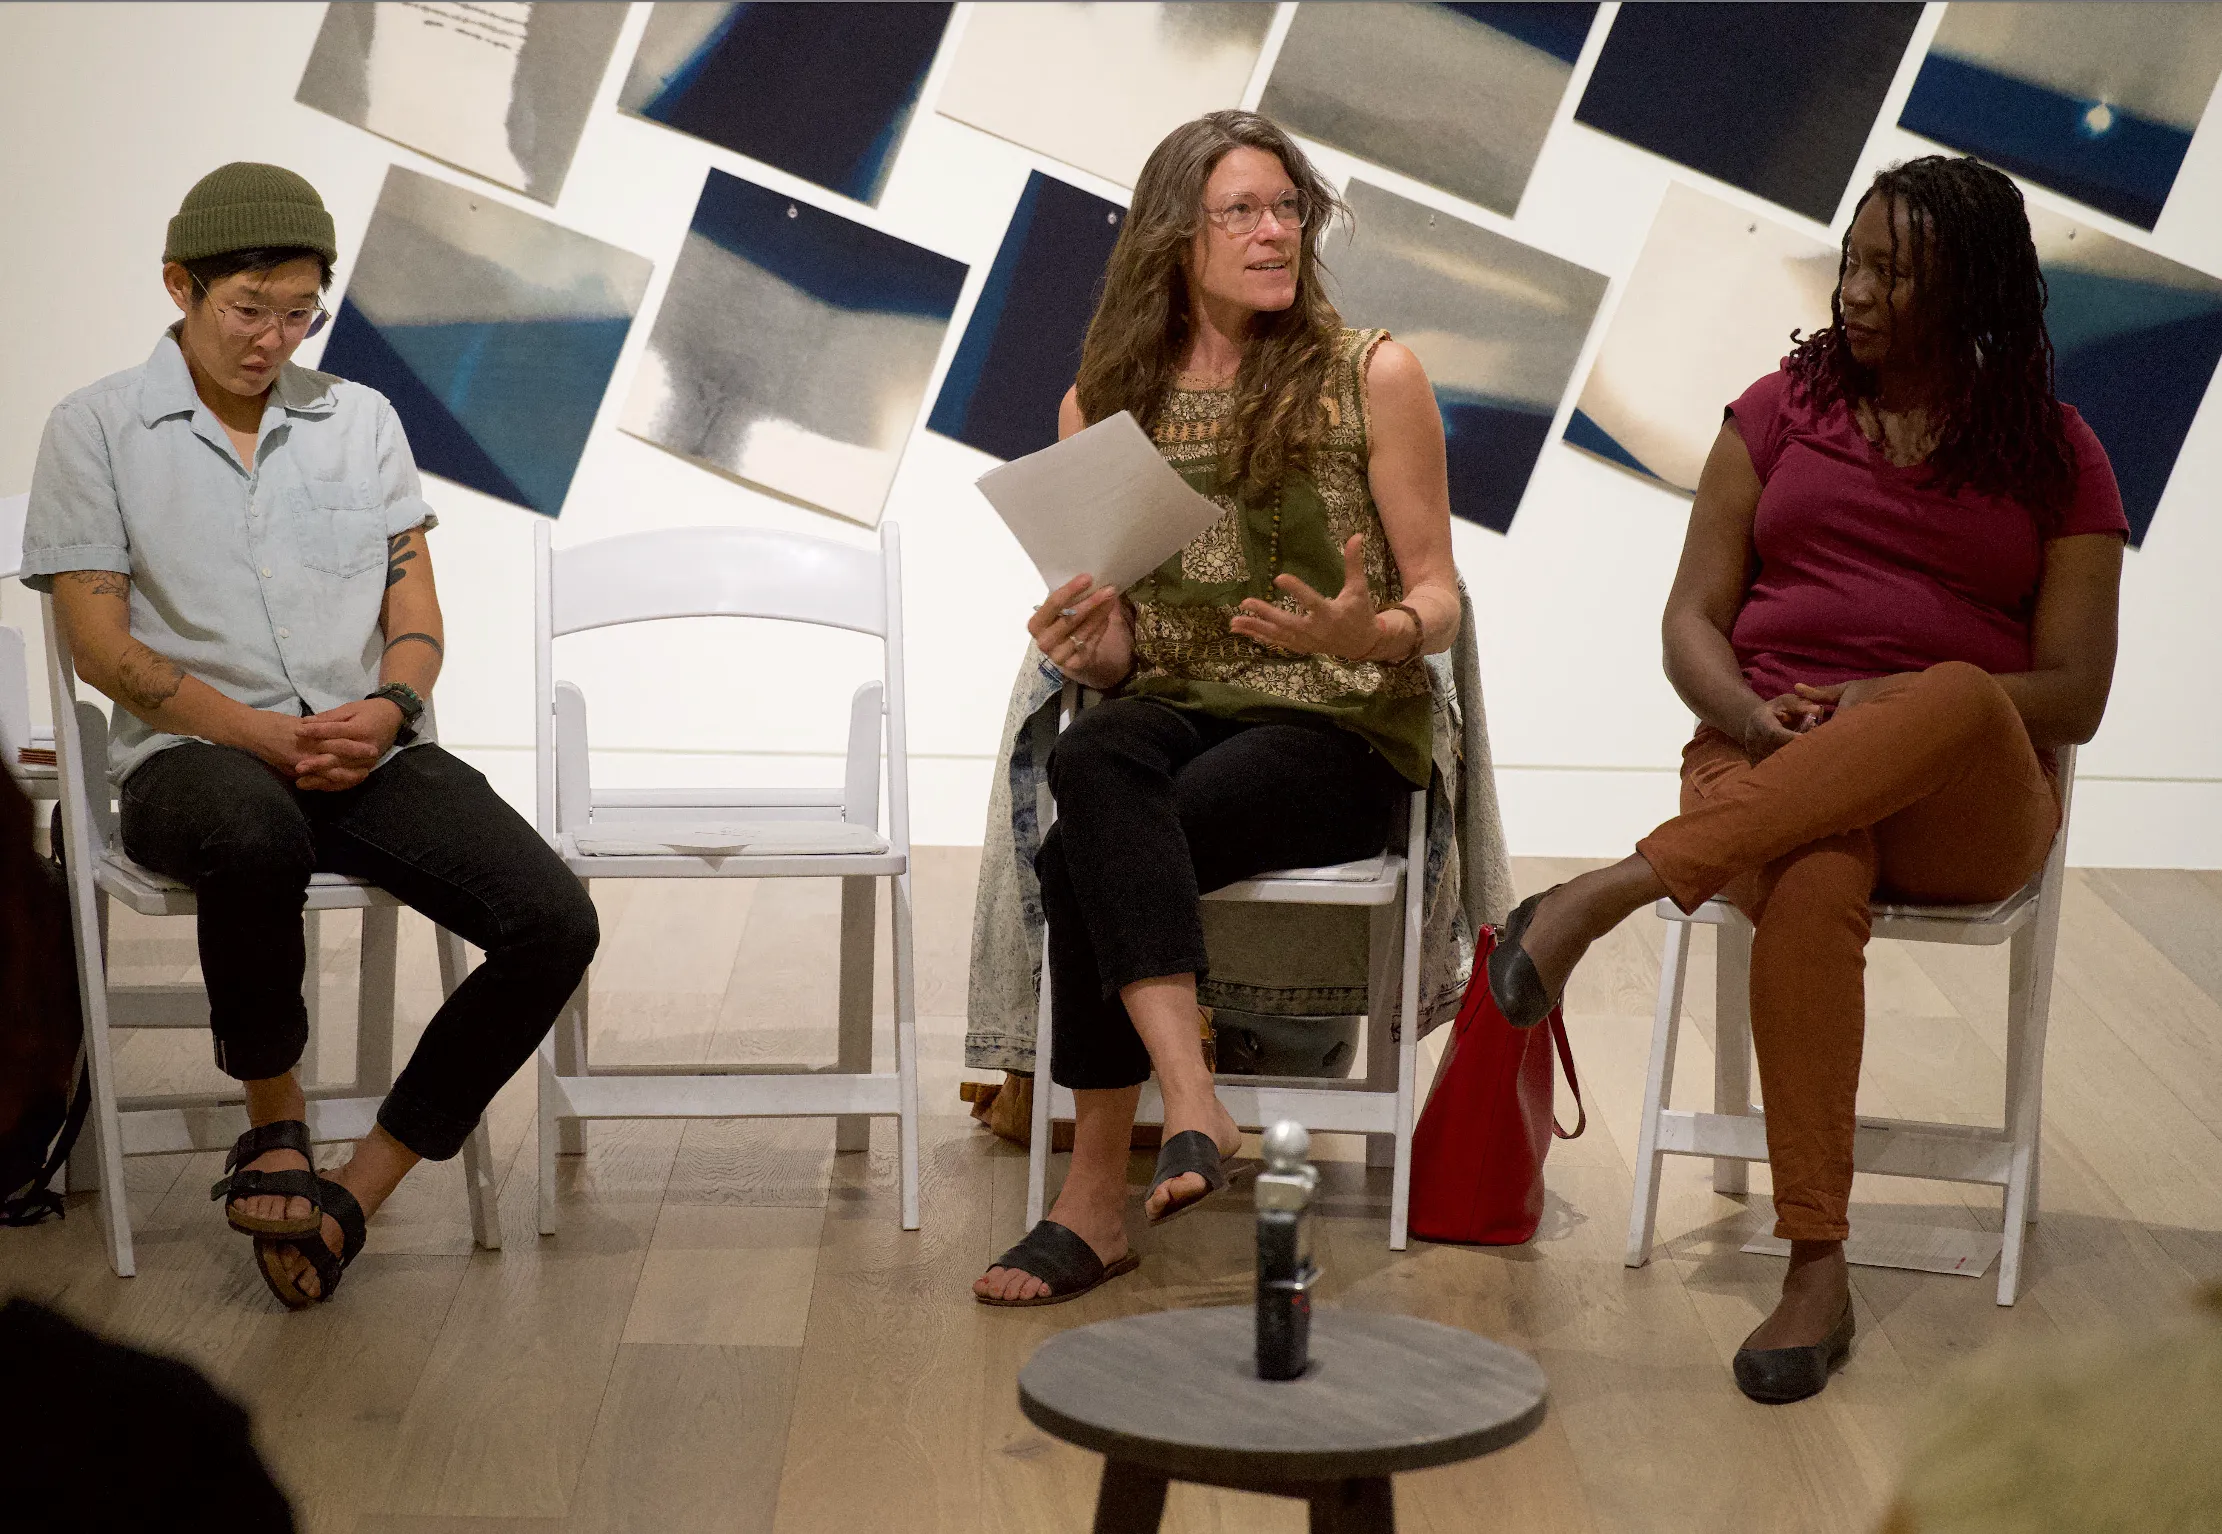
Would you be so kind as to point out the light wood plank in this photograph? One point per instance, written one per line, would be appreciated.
(688, 1438)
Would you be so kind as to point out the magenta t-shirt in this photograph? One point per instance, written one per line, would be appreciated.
(1865, 569)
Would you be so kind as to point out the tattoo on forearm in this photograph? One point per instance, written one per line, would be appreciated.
(437, 648)
(398, 553)
(145, 680)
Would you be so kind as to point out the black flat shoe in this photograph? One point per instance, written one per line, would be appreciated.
(1777, 1376)
(1513, 982)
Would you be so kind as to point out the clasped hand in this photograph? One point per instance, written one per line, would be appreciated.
(330, 751)
(1343, 625)
(1778, 721)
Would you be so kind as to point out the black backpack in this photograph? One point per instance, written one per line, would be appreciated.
(45, 1087)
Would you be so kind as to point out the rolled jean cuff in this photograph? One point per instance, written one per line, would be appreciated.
(1688, 888)
(265, 1056)
(1181, 958)
(1797, 1225)
(423, 1129)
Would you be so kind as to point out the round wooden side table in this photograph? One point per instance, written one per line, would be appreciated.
(1175, 1397)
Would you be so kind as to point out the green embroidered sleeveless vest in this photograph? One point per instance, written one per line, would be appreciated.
(1186, 655)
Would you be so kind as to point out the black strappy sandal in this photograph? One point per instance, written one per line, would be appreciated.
(296, 1182)
(341, 1206)
(1189, 1151)
(1061, 1259)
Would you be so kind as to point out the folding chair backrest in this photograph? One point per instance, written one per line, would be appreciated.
(80, 754)
(730, 572)
(705, 572)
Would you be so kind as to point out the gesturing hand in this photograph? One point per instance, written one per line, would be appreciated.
(1777, 722)
(1089, 638)
(1342, 625)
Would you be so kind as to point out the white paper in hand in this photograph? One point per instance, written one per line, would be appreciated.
(1102, 503)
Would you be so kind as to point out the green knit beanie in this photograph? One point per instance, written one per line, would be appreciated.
(245, 206)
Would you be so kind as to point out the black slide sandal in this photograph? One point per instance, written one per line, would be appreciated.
(297, 1182)
(1189, 1151)
(1061, 1259)
(341, 1206)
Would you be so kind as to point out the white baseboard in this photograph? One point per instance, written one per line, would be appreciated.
(1567, 812)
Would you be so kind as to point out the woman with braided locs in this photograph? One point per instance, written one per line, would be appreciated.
(1267, 703)
(1897, 596)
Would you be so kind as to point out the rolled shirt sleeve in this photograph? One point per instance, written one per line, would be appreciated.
(398, 483)
(73, 521)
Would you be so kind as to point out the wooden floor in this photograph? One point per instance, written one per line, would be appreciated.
(731, 1333)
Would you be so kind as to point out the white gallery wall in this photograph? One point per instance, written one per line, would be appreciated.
(108, 113)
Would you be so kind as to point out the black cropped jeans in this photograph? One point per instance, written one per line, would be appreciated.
(426, 828)
(1155, 806)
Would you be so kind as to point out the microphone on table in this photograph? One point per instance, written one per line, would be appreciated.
(1286, 1271)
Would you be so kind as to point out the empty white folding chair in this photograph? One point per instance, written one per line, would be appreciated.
(1735, 1132)
(725, 833)
(99, 872)
(1381, 1104)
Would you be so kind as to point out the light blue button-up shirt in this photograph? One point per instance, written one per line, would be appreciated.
(262, 579)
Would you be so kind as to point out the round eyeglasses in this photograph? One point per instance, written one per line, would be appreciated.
(1243, 215)
(249, 322)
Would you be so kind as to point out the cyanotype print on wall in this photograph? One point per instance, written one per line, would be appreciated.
(1097, 86)
(2095, 101)
(1457, 96)
(824, 92)
(1497, 324)
(1776, 99)
(493, 332)
(793, 348)
(1021, 348)
(497, 88)
(1708, 308)
(2136, 338)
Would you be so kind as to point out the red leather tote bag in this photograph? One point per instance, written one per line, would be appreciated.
(1477, 1153)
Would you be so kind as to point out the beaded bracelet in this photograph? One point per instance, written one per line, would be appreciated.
(1419, 634)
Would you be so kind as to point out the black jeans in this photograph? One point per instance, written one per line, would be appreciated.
(427, 829)
(1156, 805)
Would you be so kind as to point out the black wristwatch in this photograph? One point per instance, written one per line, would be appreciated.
(404, 697)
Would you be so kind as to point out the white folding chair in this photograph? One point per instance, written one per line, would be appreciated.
(1379, 1105)
(167, 1123)
(719, 833)
(1735, 1132)
(16, 731)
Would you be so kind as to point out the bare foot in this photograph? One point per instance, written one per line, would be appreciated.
(1814, 1294)
(274, 1206)
(1210, 1116)
(1096, 1214)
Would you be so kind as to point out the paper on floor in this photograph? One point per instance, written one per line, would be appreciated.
(1923, 1248)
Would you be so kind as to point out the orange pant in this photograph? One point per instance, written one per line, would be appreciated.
(1928, 791)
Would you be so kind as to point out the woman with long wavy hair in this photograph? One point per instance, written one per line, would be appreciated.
(1897, 596)
(1267, 704)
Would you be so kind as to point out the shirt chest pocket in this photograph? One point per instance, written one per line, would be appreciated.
(342, 529)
